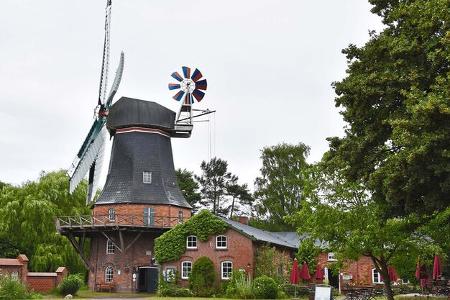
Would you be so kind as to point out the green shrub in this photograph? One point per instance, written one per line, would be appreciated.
(203, 277)
(70, 285)
(265, 287)
(171, 290)
(11, 289)
(239, 286)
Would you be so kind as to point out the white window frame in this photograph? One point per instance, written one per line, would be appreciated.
(112, 214)
(167, 272)
(225, 276)
(180, 216)
(109, 274)
(110, 247)
(147, 177)
(331, 256)
(379, 281)
(193, 238)
(188, 265)
(217, 242)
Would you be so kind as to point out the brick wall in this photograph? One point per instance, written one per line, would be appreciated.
(128, 213)
(360, 270)
(124, 263)
(240, 251)
(8, 270)
(41, 283)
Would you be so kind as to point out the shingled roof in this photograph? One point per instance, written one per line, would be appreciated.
(285, 239)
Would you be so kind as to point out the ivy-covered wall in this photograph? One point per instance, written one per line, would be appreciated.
(171, 245)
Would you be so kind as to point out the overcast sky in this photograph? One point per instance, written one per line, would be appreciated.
(269, 66)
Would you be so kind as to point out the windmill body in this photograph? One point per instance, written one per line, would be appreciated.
(140, 200)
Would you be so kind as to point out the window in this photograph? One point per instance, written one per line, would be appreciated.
(110, 248)
(331, 256)
(169, 274)
(111, 214)
(226, 267)
(180, 216)
(376, 277)
(147, 177)
(109, 274)
(186, 269)
(191, 242)
(221, 242)
(149, 216)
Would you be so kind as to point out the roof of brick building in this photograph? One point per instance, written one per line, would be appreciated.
(285, 239)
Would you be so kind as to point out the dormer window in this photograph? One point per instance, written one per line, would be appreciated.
(331, 256)
(147, 177)
(191, 242)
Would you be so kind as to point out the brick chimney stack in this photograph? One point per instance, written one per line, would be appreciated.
(243, 220)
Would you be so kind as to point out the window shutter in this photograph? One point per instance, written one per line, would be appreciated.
(146, 216)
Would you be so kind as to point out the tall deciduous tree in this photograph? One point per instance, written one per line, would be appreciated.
(27, 217)
(213, 182)
(343, 214)
(279, 188)
(189, 187)
(395, 100)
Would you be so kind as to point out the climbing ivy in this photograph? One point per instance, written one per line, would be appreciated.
(172, 244)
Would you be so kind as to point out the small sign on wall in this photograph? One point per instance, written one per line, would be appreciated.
(347, 276)
(148, 253)
(322, 293)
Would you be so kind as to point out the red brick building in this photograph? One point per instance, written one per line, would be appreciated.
(234, 249)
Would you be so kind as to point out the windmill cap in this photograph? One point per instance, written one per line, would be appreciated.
(130, 112)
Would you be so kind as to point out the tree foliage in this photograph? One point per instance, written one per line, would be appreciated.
(343, 214)
(395, 100)
(27, 218)
(279, 188)
(189, 187)
(220, 190)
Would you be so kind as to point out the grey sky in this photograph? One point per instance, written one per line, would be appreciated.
(269, 65)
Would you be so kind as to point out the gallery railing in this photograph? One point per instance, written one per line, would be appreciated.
(116, 220)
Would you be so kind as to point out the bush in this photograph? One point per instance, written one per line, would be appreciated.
(265, 287)
(171, 290)
(240, 286)
(70, 285)
(11, 289)
(203, 277)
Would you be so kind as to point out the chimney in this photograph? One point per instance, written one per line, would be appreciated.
(243, 220)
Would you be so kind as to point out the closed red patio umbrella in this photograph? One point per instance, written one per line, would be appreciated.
(392, 274)
(294, 272)
(304, 272)
(319, 275)
(437, 269)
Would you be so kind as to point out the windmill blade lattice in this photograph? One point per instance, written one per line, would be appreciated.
(189, 86)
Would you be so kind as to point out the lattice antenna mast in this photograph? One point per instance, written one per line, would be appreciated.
(103, 86)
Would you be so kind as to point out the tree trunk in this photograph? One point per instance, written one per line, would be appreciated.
(382, 266)
(232, 208)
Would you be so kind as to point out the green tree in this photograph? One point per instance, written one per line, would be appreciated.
(395, 100)
(279, 188)
(213, 182)
(27, 217)
(239, 194)
(343, 214)
(189, 187)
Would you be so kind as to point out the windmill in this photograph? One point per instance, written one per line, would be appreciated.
(89, 157)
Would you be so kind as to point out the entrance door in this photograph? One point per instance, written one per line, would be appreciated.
(148, 279)
(333, 279)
